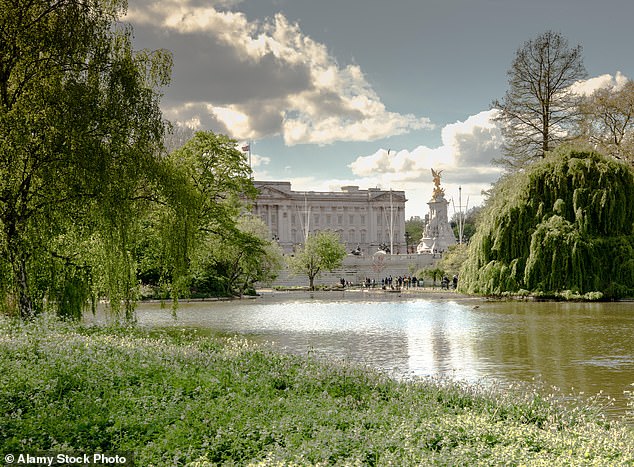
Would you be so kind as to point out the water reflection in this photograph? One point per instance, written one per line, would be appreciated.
(585, 347)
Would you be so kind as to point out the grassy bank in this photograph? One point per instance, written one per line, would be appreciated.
(177, 399)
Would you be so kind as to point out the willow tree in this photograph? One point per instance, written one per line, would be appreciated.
(564, 224)
(80, 130)
(539, 109)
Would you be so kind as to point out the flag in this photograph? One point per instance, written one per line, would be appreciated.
(245, 148)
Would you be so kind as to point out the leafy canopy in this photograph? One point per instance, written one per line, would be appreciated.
(204, 238)
(80, 134)
(564, 224)
(322, 251)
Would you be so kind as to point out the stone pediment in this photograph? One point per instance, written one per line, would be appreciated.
(385, 197)
(270, 192)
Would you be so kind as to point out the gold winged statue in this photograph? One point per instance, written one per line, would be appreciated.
(438, 192)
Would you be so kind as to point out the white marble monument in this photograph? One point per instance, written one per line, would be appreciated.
(438, 235)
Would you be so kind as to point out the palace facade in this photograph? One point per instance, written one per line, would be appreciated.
(364, 219)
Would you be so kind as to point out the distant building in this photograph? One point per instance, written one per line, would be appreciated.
(366, 220)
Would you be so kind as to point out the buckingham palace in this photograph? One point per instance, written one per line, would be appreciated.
(366, 220)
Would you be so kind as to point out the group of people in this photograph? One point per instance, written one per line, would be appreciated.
(400, 282)
(388, 282)
(445, 283)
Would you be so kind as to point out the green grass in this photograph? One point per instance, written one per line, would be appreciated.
(179, 399)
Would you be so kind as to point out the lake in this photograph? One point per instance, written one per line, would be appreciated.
(578, 347)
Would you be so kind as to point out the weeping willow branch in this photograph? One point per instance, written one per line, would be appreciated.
(565, 224)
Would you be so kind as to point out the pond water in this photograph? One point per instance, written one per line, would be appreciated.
(577, 347)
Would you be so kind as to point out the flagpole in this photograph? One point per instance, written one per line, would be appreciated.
(250, 166)
(247, 149)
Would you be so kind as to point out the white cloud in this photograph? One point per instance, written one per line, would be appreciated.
(232, 117)
(258, 161)
(607, 81)
(255, 79)
(467, 145)
(464, 157)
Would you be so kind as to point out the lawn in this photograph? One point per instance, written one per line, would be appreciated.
(175, 398)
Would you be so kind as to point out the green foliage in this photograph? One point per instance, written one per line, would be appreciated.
(453, 259)
(80, 132)
(564, 224)
(197, 238)
(322, 251)
(433, 273)
(183, 399)
(87, 198)
(232, 266)
(468, 223)
(414, 230)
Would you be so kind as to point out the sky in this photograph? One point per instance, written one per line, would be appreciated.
(371, 93)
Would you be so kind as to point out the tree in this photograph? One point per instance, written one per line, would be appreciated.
(563, 224)
(206, 185)
(264, 263)
(80, 136)
(232, 265)
(539, 110)
(177, 136)
(468, 223)
(453, 259)
(608, 121)
(322, 251)
(414, 227)
(432, 273)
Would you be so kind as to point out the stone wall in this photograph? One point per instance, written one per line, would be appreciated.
(356, 268)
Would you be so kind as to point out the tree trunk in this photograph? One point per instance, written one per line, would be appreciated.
(21, 285)
(17, 260)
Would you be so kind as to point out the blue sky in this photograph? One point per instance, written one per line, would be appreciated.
(367, 92)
